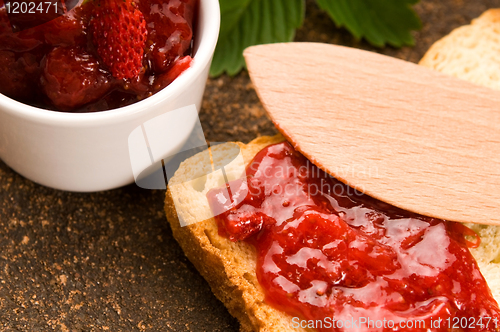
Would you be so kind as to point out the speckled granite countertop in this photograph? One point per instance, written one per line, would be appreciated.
(107, 261)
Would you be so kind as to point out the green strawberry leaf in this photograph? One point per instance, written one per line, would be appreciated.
(380, 22)
(250, 22)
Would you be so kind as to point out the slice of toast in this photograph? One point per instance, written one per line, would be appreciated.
(229, 267)
(470, 52)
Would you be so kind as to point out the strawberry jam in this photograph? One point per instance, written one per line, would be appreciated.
(338, 260)
(100, 55)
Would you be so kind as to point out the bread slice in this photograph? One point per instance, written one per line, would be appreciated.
(229, 267)
(470, 52)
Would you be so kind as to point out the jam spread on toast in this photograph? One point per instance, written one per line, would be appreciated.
(333, 256)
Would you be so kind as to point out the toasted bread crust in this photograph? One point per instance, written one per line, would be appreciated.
(210, 263)
(229, 267)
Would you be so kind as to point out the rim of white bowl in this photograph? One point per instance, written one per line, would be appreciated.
(208, 13)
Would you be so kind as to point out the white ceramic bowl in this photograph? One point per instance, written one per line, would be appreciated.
(89, 151)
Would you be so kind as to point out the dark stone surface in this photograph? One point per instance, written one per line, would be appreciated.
(107, 261)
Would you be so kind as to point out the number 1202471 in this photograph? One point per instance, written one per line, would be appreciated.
(472, 323)
(31, 7)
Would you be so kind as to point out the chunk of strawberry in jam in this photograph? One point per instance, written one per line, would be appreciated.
(178, 68)
(71, 78)
(17, 75)
(327, 253)
(67, 30)
(170, 30)
(22, 41)
(5, 25)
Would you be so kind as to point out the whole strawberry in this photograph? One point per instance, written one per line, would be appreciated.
(119, 34)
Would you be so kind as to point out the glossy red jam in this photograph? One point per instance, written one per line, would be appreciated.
(339, 260)
(56, 66)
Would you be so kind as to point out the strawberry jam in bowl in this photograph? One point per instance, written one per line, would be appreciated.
(75, 87)
(338, 260)
(100, 55)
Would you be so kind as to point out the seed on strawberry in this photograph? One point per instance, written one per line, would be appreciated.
(119, 35)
